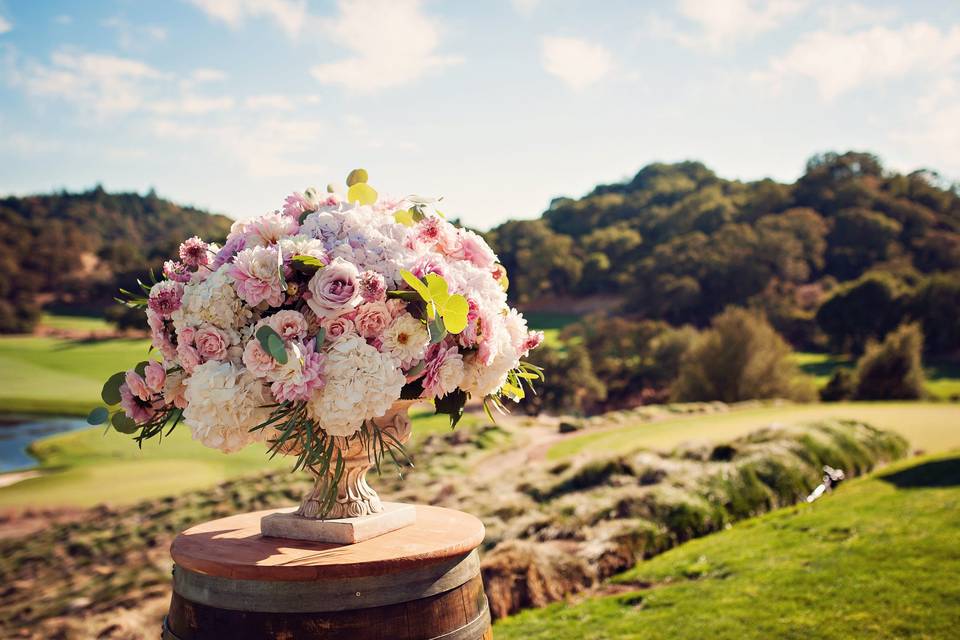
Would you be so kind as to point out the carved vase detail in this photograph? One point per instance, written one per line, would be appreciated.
(355, 497)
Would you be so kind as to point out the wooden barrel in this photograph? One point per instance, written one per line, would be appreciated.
(421, 582)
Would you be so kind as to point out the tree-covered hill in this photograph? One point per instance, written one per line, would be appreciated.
(75, 248)
(678, 243)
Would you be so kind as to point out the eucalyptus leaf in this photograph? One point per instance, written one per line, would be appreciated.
(272, 343)
(306, 264)
(141, 367)
(97, 416)
(111, 388)
(362, 193)
(123, 424)
(437, 331)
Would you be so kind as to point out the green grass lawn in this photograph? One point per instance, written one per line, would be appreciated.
(929, 426)
(91, 466)
(550, 323)
(74, 323)
(878, 558)
(52, 375)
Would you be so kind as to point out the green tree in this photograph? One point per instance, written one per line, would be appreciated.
(864, 309)
(936, 305)
(570, 386)
(740, 357)
(892, 370)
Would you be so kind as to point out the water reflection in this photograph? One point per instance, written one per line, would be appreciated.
(18, 432)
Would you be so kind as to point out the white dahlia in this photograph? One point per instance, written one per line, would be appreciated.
(406, 339)
(225, 401)
(361, 384)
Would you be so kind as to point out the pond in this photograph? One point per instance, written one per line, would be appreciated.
(18, 432)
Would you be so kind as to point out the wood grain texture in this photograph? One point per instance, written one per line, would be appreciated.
(233, 548)
(458, 614)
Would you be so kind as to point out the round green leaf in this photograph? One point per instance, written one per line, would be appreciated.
(123, 424)
(361, 192)
(141, 367)
(111, 388)
(98, 416)
(357, 176)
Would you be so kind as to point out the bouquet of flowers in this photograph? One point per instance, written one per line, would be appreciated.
(312, 321)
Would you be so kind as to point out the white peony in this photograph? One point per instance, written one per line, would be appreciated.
(225, 401)
(406, 339)
(213, 300)
(480, 379)
(362, 383)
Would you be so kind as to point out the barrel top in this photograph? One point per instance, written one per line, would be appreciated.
(233, 548)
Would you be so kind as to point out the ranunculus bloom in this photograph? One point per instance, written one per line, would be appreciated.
(371, 319)
(339, 326)
(258, 361)
(334, 289)
(211, 343)
(289, 324)
(137, 385)
(155, 376)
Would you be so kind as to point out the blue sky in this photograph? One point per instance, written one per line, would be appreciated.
(497, 106)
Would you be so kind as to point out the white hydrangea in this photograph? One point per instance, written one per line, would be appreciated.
(302, 245)
(480, 379)
(213, 300)
(467, 279)
(224, 401)
(362, 383)
(369, 239)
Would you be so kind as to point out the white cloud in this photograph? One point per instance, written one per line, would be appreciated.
(205, 74)
(721, 23)
(289, 15)
(5, 25)
(525, 7)
(841, 62)
(63, 19)
(576, 62)
(130, 36)
(106, 85)
(272, 102)
(842, 17)
(930, 136)
(393, 42)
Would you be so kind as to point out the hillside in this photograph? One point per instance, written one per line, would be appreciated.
(75, 249)
(678, 243)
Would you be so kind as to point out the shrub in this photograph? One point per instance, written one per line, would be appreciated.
(739, 358)
(842, 386)
(892, 370)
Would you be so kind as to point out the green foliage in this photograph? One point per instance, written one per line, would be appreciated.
(892, 369)
(571, 385)
(864, 309)
(936, 305)
(841, 386)
(740, 357)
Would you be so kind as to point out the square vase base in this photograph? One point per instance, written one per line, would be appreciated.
(395, 515)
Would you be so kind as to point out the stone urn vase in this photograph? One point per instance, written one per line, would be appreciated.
(357, 513)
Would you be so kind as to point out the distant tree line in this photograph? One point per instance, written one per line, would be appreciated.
(77, 249)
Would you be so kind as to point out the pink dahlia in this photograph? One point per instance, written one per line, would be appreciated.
(176, 271)
(295, 205)
(300, 383)
(373, 287)
(256, 276)
(195, 253)
(444, 371)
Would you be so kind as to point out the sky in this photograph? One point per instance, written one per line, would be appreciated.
(497, 106)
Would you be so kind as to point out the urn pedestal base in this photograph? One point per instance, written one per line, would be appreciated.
(287, 524)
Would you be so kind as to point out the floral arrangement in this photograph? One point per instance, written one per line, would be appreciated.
(312, 320)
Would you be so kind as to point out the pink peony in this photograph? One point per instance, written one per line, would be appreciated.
(300, 385)
(137, 385)
(372, 318)
(139, 410)
(427, 263)
(334, 289)
(438, 234)
(270, 228)
(289, 324)
(256, 276)
(211, 343)
(176, 271)
(444, 371)
(336, 327)
(159, 337)
(475, 249)
(373, 287)
(258, 361)
(155, 376)
(295, 205)
(195, 253)
(165, 297)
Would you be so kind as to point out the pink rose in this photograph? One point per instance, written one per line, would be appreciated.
(258, 361)
(372, 318)
(155, 376)
(188, 356)
(211, 343)
(334, 289)
(289, 324)
(336, 327)
(137, 385)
